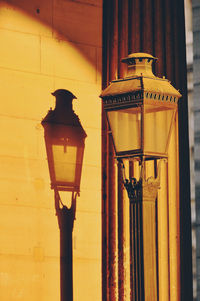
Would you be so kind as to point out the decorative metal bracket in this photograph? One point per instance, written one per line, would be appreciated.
(133, 188)
(62, 211)
(142, 188)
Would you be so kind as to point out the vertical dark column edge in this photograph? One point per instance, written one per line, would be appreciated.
(109, 63)
(132, 247)
(104, 210)
(156, 217)
(104, 267)
(121, 271)
(141, 4)
(184, 165)
(129, 26)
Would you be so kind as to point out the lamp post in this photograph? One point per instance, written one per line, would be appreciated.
(141, 110)
(65, 142)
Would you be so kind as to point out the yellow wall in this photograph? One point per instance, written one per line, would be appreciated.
(46, 45)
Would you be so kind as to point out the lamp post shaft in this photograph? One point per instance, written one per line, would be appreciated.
(143, 236)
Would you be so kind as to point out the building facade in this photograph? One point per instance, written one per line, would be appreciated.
(61, 44)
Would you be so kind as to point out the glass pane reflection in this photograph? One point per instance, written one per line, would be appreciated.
(157, 125)
(126, 128)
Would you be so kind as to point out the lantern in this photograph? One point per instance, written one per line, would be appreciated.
(140, 110)
(64, 139)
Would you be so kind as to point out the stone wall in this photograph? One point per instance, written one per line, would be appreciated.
(47, 45)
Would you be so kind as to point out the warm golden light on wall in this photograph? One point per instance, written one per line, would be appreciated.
(36, 58)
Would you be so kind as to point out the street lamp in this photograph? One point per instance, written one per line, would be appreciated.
(141, 110)
(65, 141)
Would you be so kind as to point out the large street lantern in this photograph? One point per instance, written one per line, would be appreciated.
(141, 110)
(64, 139)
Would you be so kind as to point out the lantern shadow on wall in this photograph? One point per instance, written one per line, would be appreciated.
(65, 142)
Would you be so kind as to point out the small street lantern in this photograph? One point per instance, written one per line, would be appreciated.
(141, 110)
(65, 142)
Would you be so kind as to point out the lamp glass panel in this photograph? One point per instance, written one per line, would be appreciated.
(64, 157)
(157, 124)
(126, 128)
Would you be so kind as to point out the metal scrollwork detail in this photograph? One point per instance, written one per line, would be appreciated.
(142, 189)
(133, 188)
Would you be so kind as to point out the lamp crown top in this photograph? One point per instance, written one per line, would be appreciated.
(138, 55)
(64, 94)
(139, 64)
(64, 100)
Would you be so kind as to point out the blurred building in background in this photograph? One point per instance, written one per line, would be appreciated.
(196, 109)
(192, 17)
(189, 56)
